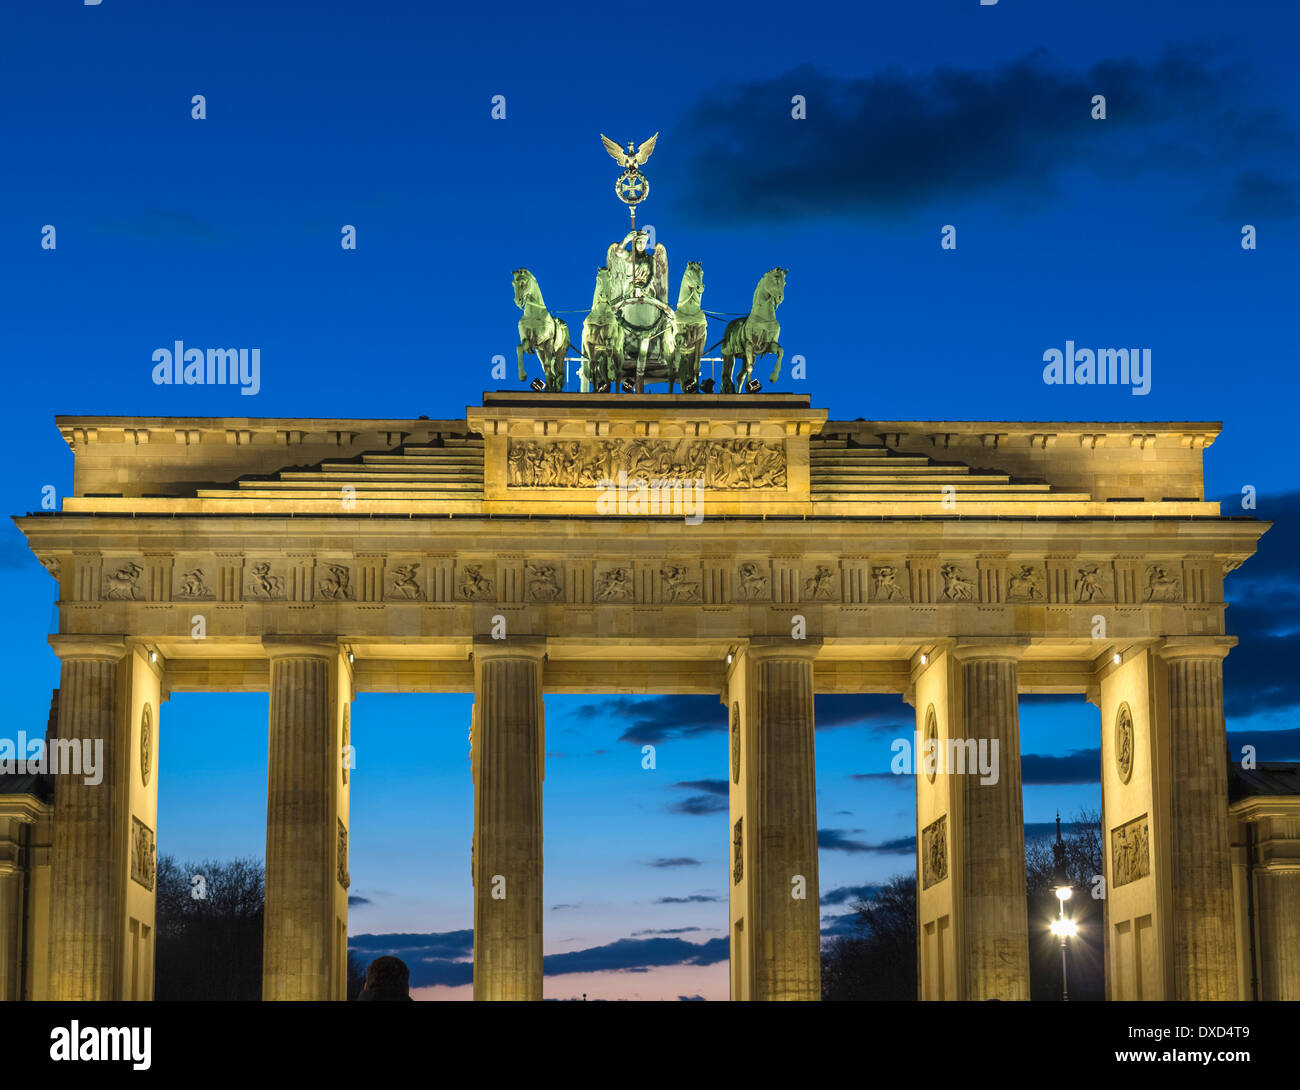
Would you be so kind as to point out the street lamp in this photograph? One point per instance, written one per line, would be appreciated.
(1063, 927)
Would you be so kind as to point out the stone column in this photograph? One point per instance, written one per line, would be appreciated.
(304, 864)
(1202, 924)
(774, 878)
(989, 827)
(506, 865)
(88, 867)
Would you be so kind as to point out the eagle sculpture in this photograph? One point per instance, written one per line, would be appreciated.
(629, 160)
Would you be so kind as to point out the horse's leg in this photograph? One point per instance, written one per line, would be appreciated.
(523, 371)
(749, 370)
(776, 371)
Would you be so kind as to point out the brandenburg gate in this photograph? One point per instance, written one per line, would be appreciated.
(740, 546)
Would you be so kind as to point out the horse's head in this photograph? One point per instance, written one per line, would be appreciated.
(525, 286)
(692, 284)
(776, 285)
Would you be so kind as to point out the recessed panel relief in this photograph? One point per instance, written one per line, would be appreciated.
(1130, 852)
(728, 464)
(738, 843)
(934, 852)
(143, 854)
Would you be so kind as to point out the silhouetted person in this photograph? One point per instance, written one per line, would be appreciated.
(388, 980)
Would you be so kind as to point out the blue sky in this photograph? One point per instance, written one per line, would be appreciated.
(225, 231)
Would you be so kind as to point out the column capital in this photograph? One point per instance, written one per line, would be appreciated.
(1195, 647)
(761, 648)
(300, 647)
(516, 647)
(101, 648)
(976, 647)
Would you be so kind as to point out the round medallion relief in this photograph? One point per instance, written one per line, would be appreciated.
(929, 756)
(146, 744)
(735, 742)
(347, 740)
(1124, 743)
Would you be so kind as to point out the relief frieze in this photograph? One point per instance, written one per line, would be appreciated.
(726, 464)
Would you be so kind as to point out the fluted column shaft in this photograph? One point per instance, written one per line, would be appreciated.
(994, 932)
(1204, 939)
(1278, 901)
(298, 928)
(87, 868)
(507, 860)
(787, 921)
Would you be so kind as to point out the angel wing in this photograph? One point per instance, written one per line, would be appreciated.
(644, 151)
(617, 153)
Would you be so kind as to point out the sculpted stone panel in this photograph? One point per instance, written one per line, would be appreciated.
(885, 586)
(728, 464)
(543, 583)
(615, 585)
(474, 583)
(1130, 852)
(934, 852)
(1026, 584)
(753, 582)
(123, 583)
(738, 840)
(1163, 584)
(263, 583)
(956, 587)
(194, 587)
(1092, 583)
(822, 584)
(337, 584)
(404, 583)
(676, 584)
(143, 854)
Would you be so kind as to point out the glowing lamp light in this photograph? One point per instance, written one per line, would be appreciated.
(1118, 658)
(924, 658)
(1063, 893)
(153, 656)
(1064, 928)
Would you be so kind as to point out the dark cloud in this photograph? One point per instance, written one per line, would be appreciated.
(693, 899)
(842, 895)
(1077, 766)
(880, 713)
(691, 998)
(442, 958)
(558, 908)
(711, 787)
(356, 900)
(658, 719)
(637, 956)
(836, 840)
(847, 923)
(666, 931)
(676, 861)
(698, 805)
(898, 142)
